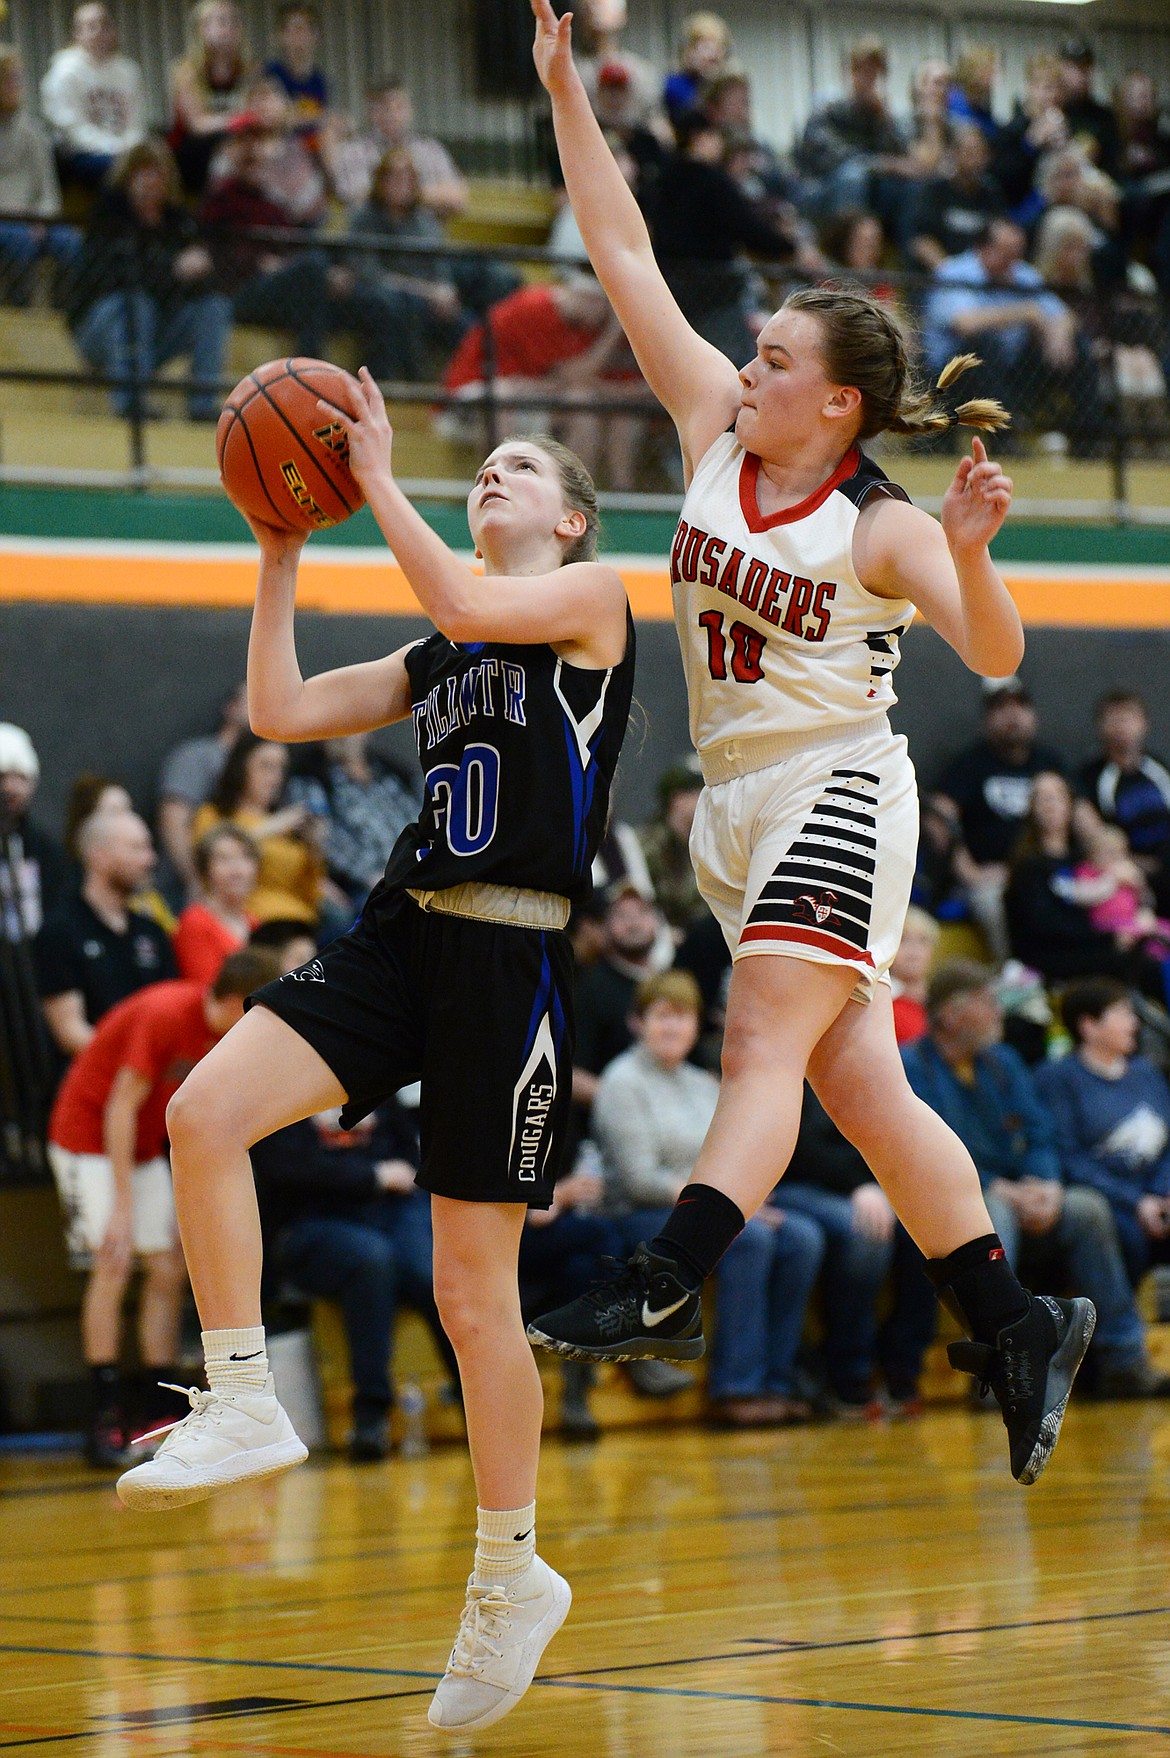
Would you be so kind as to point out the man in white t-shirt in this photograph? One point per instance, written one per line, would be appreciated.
(93, 97)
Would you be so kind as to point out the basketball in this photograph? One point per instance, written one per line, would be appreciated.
(281, 458)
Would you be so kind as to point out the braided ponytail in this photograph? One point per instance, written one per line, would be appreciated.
(863, 344)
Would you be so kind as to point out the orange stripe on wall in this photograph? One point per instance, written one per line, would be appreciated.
(1069, 601)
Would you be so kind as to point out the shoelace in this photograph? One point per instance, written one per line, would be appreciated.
(485, 1615)
(197, 1416)
(615, 1291)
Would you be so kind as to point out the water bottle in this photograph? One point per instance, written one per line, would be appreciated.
(413, 1405)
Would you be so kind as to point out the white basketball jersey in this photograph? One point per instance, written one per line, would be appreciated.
(778, 634)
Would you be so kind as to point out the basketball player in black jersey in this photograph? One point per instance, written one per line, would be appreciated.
(457, 973)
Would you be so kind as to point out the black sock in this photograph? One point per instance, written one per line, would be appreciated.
(105, 1380)
(701, 1226)
(978, 1287)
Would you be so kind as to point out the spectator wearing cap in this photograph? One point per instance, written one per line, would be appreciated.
(666, 845)
(651, 1113)
(32, 872)
(189, 773)
(107, 1148)
(93, 98)
(1090, 122)
(984, 1090)
(1130, 787)
(632, 952)
(95, 949)
(985, 791)
(1112, 1113)
(623, 88)
(849, 143)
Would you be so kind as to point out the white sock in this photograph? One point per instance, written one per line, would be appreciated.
(236, 1361)
(505, 1544)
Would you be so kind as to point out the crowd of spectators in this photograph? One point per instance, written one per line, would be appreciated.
(1032, 970)
(1034, 228)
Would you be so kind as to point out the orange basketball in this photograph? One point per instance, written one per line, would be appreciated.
(281, 458)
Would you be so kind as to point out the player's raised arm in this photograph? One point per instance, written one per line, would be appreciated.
(281, 703)
(696, 384)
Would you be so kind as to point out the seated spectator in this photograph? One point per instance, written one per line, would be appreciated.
(107, 1148)
(985, 1092)
(928, 131)
(850, 144)
(704, 47)
(30, 195)
(208, 87)
(828, 1184)
(142, 290)
(370, 804)
(1131, 788)
(93, 796)
(1091, 123)
(219, 923)
(36, 862)
(285, 284)
(624, 89)
(856, 241)
(1083, 266)
(1143, 129)
(1112, 1114)
(343, 1220)
(95, 949)
(93, 98)
(953, 209)
(666, 845)
(1066, 178)
(909, 974)
(988, 790)
(765, 178)
(557, 339)
(351, 163)
(189, 772)
(564, 239)
(1049, 922)
(298, 40)
(632, 953)
(420, 290)
(248, 794)
(971, 94)
(1031, 347)
(292, 177)
(1037, 127)
(650, 1116)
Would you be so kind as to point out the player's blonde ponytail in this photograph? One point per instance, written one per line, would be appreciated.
(865, 345)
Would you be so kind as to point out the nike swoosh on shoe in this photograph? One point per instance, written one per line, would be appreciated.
(656, 1318)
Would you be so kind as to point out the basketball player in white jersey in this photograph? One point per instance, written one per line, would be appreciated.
(795, 570)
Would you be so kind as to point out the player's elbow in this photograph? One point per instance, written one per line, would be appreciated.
(459, 618)
(998, 659)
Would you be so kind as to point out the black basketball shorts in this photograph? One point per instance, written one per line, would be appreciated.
(480, 1013)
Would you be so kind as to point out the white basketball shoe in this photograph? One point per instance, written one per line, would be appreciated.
(502, 1634)
(229, 1438)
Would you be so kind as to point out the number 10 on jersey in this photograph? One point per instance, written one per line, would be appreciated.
(747, 649)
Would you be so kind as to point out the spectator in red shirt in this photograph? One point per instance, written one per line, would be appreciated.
(227, 865)
(107, 1147)
(909, 973)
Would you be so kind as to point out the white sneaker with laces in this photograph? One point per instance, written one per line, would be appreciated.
(229, 1438)
(502, 1634)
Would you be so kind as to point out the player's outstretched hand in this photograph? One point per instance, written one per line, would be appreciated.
(371, 437)
(277, 542)
(553, 49)
(976, 504)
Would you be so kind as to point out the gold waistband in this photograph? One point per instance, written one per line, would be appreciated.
(508, 904)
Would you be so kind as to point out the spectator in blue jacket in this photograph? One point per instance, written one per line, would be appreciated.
(984, 1090)
(1112, 1115)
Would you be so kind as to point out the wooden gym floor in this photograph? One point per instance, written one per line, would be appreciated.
(843, 1590)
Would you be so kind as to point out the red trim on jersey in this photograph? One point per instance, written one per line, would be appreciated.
(808, 937)
(749, 472)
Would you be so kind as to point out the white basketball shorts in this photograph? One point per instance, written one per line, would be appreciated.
(813, 856)
(85, 1184)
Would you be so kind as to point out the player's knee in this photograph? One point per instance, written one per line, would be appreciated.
(195, 1118)
(464, 1312)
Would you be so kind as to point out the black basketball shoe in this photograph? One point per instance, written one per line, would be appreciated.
(1030, 1369)
(644, 1310)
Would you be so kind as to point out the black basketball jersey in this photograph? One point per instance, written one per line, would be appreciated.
(518, 750)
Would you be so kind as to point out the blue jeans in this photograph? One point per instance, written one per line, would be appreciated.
(368, 1262)
(22, 242)
(854, 1269)
(1140, 1252)
(560, 1259)
(1085, 1240)
(762, 1289)
(126, 337)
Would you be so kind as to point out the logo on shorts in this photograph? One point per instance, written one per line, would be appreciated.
(533, 1098)
(313, 972)
(817, 909)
